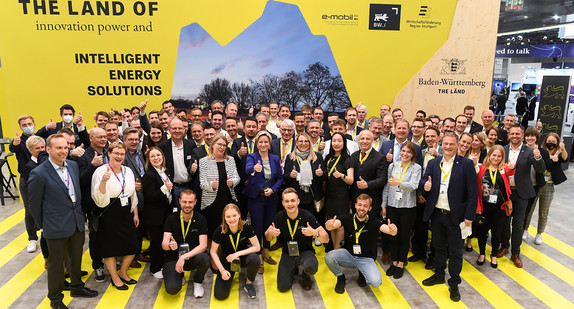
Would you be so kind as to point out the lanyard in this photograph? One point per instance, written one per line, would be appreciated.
(67, 180)
(358, 232)
(283, 152)
(188, 224)
(123, 177)
(492, 175)
(234, 245)
(362, 126)
(292, 231)
(365, 158)
(318, 143)
(206, 148)
(446, 174)
(354, 133)
(377, 144)
(334, 165)
(420, 141)
(427, 158)
(166, 180)
(250, 150)
(139, 162)
(404, 171)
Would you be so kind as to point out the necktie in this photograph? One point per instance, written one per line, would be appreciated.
(363, 155)
(250, 143)
(398, 153)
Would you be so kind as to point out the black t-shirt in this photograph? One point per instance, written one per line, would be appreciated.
(173, 225)
(305, 243)
(488, 188)
(368, 238)
(224, 241)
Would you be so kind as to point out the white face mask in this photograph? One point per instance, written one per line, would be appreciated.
(28, 130)
(68, 118)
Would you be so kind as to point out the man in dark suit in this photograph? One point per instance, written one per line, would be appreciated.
(76, 124)
(487, 121)
(284, 146)
(177, 151)
(55, 202)
(523, 158)
(472, 126)
(392, 149)
(239, 150)
(452, 194)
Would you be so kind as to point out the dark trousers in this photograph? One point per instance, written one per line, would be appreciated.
(517, 221)
(530, 204)
(60, 249)
(28, 219)
(172, 279)
(156, 253)
(44, 247)
(262, 211)
(404, 219)
(97, 260)
(446, 239)
(421, 232)
(494, 221)
(222, 287)
(288, 266)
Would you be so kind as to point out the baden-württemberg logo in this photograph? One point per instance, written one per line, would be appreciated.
(385, 17)
(453, 66)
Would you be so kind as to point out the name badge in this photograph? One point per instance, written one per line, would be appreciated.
(189, 157)
(124, 200)
(442, 187)
(73, 197)
(235, 265)
(175, 209)
(183, 249)
(399, 194)
(293, 248)
(493, 198)
(356, 249)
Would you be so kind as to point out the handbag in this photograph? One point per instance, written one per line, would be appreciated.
(319, 204)
(507, 206)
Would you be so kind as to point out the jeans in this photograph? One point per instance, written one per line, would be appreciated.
(335, 259)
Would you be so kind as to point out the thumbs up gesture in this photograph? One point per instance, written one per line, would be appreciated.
(97, 160)
(17, 140)
(172, 243)
(168, 184)
(392, 228)
(536, 153)
(394, 182)
(243, 150)
(51, 125)
(142, 106)
(78, 151)
(79, 120)
(319, 171)
(258, 167)
(428, 184)
(273, 231)
(251, 111)
(362, 184)
(215, 183)
(293, 173)
(240, 125)
(308, 230)
(107, 174)
(138, 185)
(538, 125)
(229, 182)
(194, 167)
(330, 224)
(390, 156)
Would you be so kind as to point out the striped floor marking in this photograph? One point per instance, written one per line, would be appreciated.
(165, 300)
(326, 283)
(439, 293)
(388, 294)
(13, 248)
(114, 298)
(273, 297)
(10, 291)
(559, 245)
(548, 263)
(531, 283)
(232, 301)
(9, 222)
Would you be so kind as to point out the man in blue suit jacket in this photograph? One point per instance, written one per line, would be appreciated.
(452, 194)
(392, 149)
(55, 202)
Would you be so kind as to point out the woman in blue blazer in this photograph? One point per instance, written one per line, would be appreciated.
(264, 180)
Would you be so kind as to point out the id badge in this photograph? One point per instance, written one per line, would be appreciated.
(442, 187)
(356, 249)
(399, 195)
(183, 249)
(175, 209)
(293, 248)
(235, 265)
(124, 200)
(493, 198)
(73, 197)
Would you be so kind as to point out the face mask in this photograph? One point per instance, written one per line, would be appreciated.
(28, 130)
(551, 146)
(68, 118)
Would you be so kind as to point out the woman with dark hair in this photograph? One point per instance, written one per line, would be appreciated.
(239, 247)
(156, 136)
(340, 176)
(264, 180)
(158, 199)
(399, 205)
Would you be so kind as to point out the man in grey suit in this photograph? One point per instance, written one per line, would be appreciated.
(523, 158)
(55, 203)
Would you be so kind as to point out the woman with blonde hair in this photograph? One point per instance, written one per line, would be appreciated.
(478, 150)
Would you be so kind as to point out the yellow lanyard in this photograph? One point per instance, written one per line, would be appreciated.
(404, 172)
(354, 133)
(377, 144)
(334, 165)
(421, 141)
(206, 148)
(427, 158)
(365, 158)
(234, 245)
(446, 174)
(492, 175)
(358, 233)
(188, 224)
(362, 126)
(318, 143)
(250, 150)
(288, 147)
(292, 231)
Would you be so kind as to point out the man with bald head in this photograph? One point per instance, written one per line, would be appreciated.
(487, 122)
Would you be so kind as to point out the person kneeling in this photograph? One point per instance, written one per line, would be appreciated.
(360, 245)
(239, 247)
(295, 229)
(185, 240)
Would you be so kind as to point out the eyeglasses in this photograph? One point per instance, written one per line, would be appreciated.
(286, 130)
(119, 154)
(220, 145)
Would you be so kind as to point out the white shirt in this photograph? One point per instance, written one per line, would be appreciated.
(64, 174)
(442, 201)
(165, 179)
(272, 127)
(114, 186)
(180, 174)
(397, 151)
(512, 158)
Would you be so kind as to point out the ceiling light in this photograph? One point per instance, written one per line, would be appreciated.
(525, 16)
(556, 16)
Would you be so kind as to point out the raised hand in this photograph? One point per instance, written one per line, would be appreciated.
(293, 173)
(538, 125)
(362, 184)
(138, 185)
(392, 227)
(428, 184)
(240, 125)
(394, 182)
(51, 125)
(273, 231)
(243, 150)
(142, 106)
(536, 153)
(78, 151)
(329, 224)
(562, 146)
(194, 166)
(258, 167)
(17, 140)
(107, 174)
(319, 171)
(169, 184)
(251, 111)
(97, 160)
(229, 182)
(308, 230)
(172, 243)
(79, 120)
(214, 183)
(390, 156)
(511, 165)
(338, 174)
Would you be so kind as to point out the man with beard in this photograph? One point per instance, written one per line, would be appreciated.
(241, 147)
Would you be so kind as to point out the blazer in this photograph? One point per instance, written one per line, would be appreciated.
(130, 162)
(475, 127)
(504, 173)
(166, 147)
(256, 181)
(554, 168)
(276, 147)
(317, 191)
(240, 161)
(50, 203)
(374, 172)
(86, 172)
(22, 153)
(462, 189)
(82, 137)
(390, 144)
(157, 205)
(209, 173)
(522, 181)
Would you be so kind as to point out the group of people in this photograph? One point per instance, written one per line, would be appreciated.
(218, 192)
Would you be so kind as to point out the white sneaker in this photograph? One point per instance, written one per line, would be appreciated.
(32, 246)
(197, 290)
(159, 275)
(538, 239)
(318, 242)
(525, 235)
(183, 281)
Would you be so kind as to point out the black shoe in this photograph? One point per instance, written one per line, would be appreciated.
(479, 263)
(58, 305)
(306, 281)
(66, 285)
(83, 292)
(433, 280)
(494, 265)
(130, 282)
(468, 249)
(122, 287)
(454, 293)
(361, 281)
(340, 286)
(84, 273)
(415, 258)
(398, 272)
(429, 264)
(391, 270)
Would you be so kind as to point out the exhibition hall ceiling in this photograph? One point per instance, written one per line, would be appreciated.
(535, 14)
